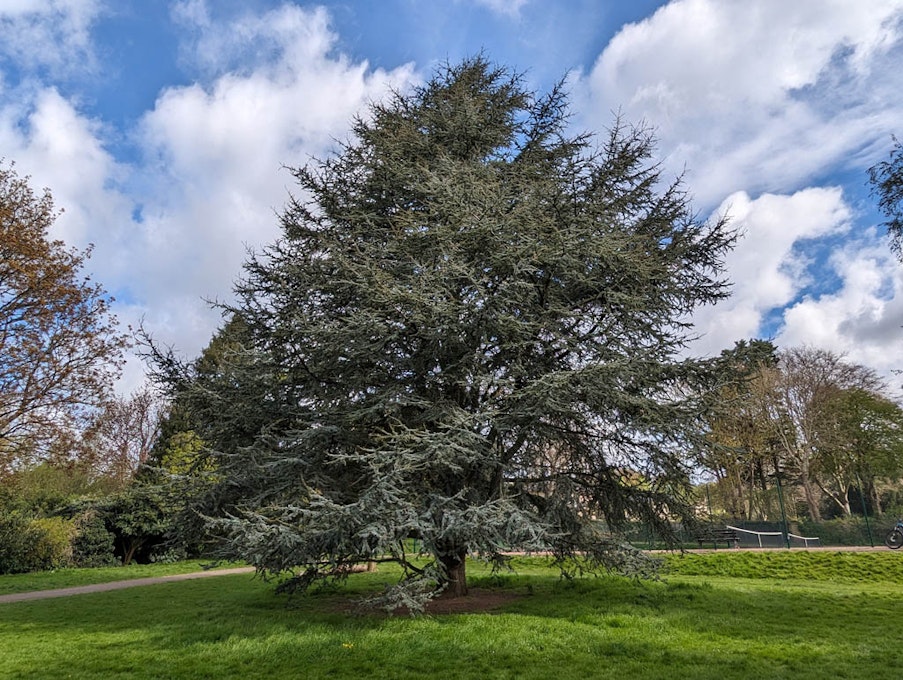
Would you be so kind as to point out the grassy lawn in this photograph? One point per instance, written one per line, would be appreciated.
(809, 624)
(831, 566)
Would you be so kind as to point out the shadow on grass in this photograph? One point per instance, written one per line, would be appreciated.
(234, 626)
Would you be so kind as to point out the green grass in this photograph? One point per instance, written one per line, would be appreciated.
(839, 566)
(687, 626)
(67, 578)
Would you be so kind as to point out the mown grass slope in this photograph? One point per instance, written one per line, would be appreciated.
(687, 626)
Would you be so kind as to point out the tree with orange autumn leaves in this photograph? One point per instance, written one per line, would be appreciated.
(60, 347)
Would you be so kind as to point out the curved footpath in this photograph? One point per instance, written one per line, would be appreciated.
(119, 585)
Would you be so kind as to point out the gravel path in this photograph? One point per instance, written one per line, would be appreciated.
(119, 585)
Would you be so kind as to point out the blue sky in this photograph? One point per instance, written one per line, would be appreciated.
(162, 128)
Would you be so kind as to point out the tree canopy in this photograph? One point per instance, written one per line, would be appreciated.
(470, 333)
(741, 435)
(806, 417)
(59, 345)
(886, 179)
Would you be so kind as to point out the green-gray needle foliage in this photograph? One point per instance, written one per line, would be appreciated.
(470, 333)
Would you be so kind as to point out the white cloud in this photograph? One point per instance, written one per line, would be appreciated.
(48, 33)
(768, 268)
(758, 101)
(276, 41)
(62, 150)
(863, 318)
(173, 230)
(509, 8)
(216, 151)
(58, 148)
(192, 13)
(755, 96)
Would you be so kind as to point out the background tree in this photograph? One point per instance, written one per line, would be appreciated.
(886, 179)
(121, 435)
(801, 394)
(203, 400)
(59, 345)
(179, 471)
(470, 334)
(859, 439)
(741, 439)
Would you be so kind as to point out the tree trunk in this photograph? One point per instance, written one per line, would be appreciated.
(740, 501)
(840, 498)
(809, 493)
(876, 499)
(751, 493)
(131, 548)
(456, 571)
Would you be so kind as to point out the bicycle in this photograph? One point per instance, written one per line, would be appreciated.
(894, 538)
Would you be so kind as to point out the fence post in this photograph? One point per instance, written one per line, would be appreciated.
(784, 532)
(865, 512)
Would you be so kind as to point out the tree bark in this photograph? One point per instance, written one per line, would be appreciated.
(455, 565)
(130, 550)
(876, 499)
(811, 499)
(840, 498)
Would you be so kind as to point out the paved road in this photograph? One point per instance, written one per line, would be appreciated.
(119, 585)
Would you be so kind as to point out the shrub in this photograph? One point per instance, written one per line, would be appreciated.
(53, 542)
(93, 544)
(28, 544)
(15, 537)
(139, 518)
(842, 531)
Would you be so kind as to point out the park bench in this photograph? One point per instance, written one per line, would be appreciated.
(716, 536)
